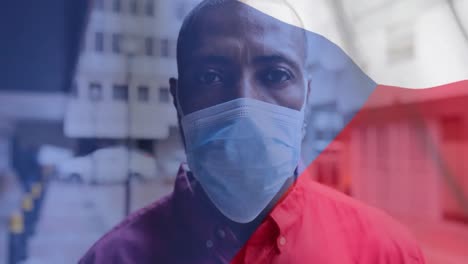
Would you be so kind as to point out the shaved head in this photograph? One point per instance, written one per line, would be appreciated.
(196, 20)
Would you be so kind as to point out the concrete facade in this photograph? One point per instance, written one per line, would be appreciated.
(411, 170)
(410, 43)
(128, 56)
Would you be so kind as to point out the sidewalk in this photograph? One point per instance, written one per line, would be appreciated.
(75, 216)
(10, 201)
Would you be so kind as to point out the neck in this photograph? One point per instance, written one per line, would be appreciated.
(244, 231)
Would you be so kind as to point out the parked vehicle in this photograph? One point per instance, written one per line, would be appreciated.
(50, 157)
(109, 165)
(170, 164)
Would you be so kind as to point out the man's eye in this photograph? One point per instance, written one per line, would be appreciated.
(209, 77)
(277, 76)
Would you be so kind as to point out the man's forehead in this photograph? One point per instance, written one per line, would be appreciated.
(226, 50)
(237, 26)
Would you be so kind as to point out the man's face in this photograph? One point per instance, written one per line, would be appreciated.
(235, 51)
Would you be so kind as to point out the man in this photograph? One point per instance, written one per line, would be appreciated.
(241, 97)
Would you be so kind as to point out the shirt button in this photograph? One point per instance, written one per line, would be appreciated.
(209, 244)
(282, 241)
(221, 233)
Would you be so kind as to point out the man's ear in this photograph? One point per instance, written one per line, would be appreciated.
(173, 89)
(173, 82)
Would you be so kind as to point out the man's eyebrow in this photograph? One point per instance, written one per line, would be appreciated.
(210, 59)
(276, 58)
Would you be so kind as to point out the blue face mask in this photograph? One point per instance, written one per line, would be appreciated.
(242, 152)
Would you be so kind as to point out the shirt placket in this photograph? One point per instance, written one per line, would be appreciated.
(272, 239)
(261, 248)
(222, 245)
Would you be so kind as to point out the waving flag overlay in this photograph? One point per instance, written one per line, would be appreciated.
(270, 113)
(405, 151)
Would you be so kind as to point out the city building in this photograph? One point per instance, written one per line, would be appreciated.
(403, 43)
(121, 89)
(409, 43)
(407, 153)
(37, 64)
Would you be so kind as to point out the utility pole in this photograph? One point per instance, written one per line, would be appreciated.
(131, 48)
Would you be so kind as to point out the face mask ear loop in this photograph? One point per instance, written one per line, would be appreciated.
(304, 113)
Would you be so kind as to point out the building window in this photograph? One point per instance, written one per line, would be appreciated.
(120, 92)
(164, 48)
(400, 44)
(116, 40)
(134, 7)
(99, 42)
(164, 95)
(143, 93)
(363, 145)
(149, 46)
(180, 10)
(117, 5)
(149, 7)
(453, 129)
(99, 4)
(95, 92)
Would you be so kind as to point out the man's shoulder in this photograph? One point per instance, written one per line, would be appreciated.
(371, 231)
(142, 235)
(334, 201)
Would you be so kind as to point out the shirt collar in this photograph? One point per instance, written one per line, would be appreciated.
(283, 217)
(205, 228)
(287, 211)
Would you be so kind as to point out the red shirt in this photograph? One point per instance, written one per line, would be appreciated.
(312, 224)
(315, 224)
